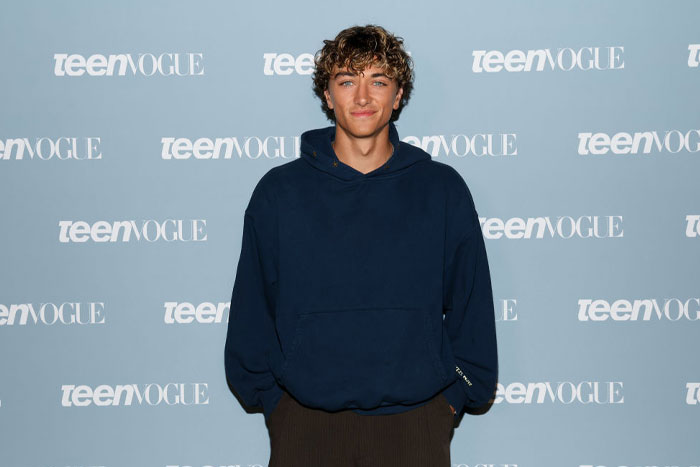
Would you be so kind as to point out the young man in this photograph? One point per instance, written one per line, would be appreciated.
(362, 315)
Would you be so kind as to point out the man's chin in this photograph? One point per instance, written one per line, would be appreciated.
(364, 131)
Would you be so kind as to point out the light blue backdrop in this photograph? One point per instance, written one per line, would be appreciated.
(57, 377)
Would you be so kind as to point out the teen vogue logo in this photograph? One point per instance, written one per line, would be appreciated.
(480, 144)
(647, 309)
(585, 392)
(692, 228)
(187, 313)
(644, 142)
(693, 395)
(508, 310)
(562, 59)
(43, 148)
(49, 314)
(135, 394)
(144, 64)
(149, 230)
(561, 227)
(694, 55)
(286, 64)
(250, 147)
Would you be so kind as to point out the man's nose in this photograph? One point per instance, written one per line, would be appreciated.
(362, 95)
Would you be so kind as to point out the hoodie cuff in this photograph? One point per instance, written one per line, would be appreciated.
(456, 396)
(270, 399)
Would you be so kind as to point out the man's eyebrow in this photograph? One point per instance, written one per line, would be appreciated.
(344, 73)
(348, 73)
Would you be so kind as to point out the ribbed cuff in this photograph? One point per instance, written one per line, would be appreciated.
(456, 396)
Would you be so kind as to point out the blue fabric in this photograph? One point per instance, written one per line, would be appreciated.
(369, 292)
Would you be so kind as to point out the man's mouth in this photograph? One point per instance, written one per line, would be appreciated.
(363, 113)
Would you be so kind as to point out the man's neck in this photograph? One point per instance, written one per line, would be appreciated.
(363, 154)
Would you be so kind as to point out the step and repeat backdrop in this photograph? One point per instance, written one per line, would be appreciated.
(133, 134)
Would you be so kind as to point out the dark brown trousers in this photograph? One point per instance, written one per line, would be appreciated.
(304, 437)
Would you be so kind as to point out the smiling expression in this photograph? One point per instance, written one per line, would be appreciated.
(362, 103)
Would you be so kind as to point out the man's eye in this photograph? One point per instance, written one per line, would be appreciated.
(381, 83)
(345, 82)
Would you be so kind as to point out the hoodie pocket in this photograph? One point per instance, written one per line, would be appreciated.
(363, 358)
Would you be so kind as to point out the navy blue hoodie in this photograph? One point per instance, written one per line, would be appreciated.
(368, 292)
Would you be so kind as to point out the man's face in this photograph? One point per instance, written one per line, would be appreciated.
(362, 102)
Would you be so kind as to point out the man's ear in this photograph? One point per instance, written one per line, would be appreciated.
(397, 100)
(329, 102)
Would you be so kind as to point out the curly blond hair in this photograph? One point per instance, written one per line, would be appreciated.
(358, 47)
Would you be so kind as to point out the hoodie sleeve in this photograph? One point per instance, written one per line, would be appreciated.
(251, 327)
(468, 303)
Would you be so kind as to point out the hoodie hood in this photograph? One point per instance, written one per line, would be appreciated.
(317, 150)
